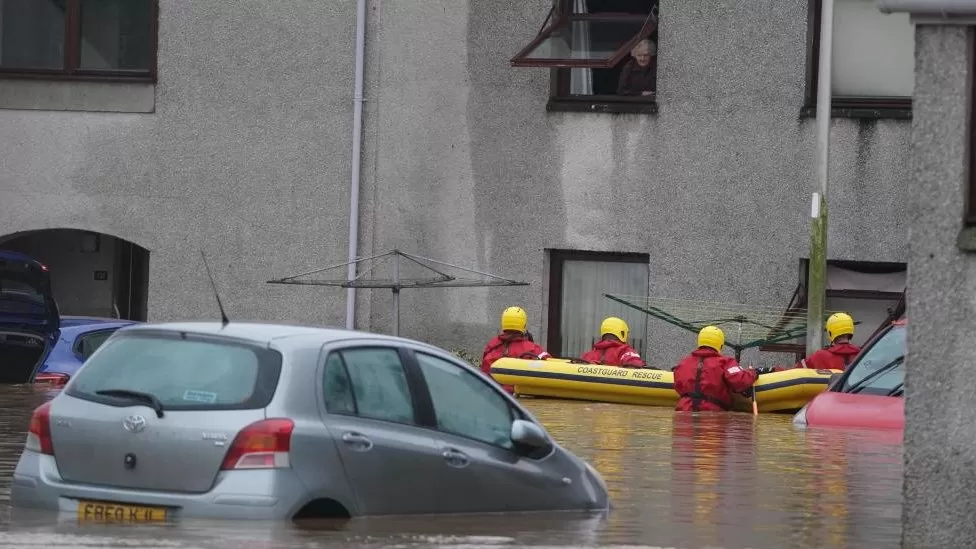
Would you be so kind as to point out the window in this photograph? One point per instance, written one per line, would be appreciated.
(577, 284)
(603, 54)
(873, 60)
(881, 368)
(871, 292)
(78, 38)
(379, 384)
(90, 342)
(337, 387)
(191, 373)
(465, 405)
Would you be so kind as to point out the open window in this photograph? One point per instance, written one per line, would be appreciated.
(871, 292)
(602, 53)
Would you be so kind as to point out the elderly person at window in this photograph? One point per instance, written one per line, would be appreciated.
(639, 75)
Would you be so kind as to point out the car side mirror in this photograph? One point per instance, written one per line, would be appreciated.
(529, 435)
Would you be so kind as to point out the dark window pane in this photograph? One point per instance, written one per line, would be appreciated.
(612, 6)
(32, 34)
(115, 34)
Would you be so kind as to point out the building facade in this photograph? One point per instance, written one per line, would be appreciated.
(164, 128)
(941, 353)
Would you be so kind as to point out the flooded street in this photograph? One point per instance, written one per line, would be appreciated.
(722, 480)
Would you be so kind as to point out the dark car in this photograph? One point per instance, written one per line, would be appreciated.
(29, 317)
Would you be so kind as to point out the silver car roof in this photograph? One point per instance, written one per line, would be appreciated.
(264, 333)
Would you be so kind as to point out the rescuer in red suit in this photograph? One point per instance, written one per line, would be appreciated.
(840, 330)
(612, 349)
(513, 342)
(705, 379)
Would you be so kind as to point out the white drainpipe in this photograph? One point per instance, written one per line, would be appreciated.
(357, 145)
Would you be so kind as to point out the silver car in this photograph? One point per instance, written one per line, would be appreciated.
(265, 421)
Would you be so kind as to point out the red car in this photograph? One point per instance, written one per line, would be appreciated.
(870, 393)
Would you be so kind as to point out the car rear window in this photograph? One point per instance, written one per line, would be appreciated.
(184, 373)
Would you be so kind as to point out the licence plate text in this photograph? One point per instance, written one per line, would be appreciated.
(98, 511)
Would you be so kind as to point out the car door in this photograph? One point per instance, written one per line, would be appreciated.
(391, 462)
(482, 471)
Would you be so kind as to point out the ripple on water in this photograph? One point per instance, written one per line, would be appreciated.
(715, 480)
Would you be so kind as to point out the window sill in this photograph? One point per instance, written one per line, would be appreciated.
(895, 110)
(598, 104)
(93, 95)
(120, 76)
(966, 241)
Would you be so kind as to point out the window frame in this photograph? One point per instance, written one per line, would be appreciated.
(514, 413)
(71, 71)
(969, 200)
(800, 296)
(560, 100)
(76, 348)
(422, 409)
(557, 260)
(843, 107)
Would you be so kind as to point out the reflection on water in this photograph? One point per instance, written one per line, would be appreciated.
(677, 480)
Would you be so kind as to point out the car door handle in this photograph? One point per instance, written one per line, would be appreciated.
(455, 458)
(359, 442)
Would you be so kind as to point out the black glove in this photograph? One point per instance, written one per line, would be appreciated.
(765, 370)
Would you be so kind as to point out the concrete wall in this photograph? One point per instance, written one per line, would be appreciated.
(466, 164)
(940, 499)
(242, 149)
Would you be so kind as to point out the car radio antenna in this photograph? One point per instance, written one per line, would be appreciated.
(223, 316)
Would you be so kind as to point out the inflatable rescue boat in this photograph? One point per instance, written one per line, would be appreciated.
(785, 391)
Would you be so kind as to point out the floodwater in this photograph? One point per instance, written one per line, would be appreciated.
(718, 481)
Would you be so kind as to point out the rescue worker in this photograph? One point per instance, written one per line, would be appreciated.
(840, 330)
(612, 349)
(705, 379)
(513, 342)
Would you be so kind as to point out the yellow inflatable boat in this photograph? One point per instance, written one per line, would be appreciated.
(784, 391)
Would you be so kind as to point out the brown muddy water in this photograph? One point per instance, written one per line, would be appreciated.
(717, 481)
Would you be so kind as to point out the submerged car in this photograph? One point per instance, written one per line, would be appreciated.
(870, 392)
(29, 317)
(265, 421)
(79, 337)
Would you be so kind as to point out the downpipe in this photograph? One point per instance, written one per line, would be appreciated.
(357, 145)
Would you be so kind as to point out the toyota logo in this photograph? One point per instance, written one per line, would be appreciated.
(134, 424)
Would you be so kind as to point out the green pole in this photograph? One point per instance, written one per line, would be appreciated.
(817, 275)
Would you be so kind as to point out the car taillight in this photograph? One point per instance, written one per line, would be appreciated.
(39, 432)
(261, 445)
(51, 378)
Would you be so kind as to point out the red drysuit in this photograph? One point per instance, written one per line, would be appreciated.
(705, 381)
(613, 353)
(511, 345)
(835, 357)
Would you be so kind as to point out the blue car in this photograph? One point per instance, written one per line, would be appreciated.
(79, 337)
(34, 338)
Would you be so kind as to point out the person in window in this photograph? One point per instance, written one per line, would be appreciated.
(840, 330)
(639, 75)
(705, 379)
(612, 349)
(513, 342)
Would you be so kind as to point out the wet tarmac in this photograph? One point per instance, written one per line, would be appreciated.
(717, 481)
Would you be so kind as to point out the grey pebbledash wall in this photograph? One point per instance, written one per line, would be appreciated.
(243, 149)
(940, 500)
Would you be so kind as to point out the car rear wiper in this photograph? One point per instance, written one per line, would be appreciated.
(147, 398)
(856, 388)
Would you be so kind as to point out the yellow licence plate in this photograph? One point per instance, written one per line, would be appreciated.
(101, 511)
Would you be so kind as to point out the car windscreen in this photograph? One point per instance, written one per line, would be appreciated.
(880, 370)
(182, 371)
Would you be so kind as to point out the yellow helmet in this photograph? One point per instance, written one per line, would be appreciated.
(615, 326)
(515, 319)
(712, 337)
(839, 324)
